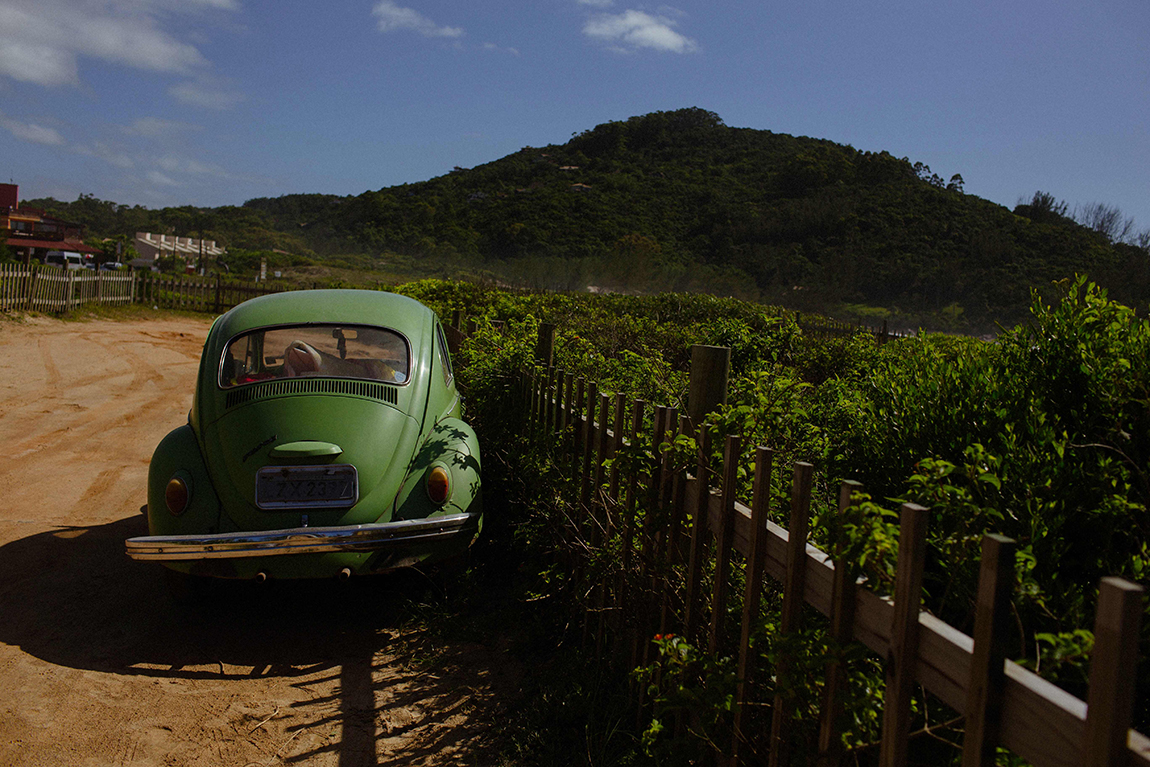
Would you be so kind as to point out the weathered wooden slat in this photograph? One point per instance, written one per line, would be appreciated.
(789, 621)
(987, 675)
(616, 442)
(902, 656)
(672, 514)
(576, 439)
(752, 595)
(841, 633)
(1110, 700)
(699, 504)
(724, 536)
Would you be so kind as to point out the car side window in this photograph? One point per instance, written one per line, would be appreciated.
(444, 356)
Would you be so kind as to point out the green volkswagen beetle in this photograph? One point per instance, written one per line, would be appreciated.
(324, 440)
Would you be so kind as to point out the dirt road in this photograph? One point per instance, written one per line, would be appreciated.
(98, 667)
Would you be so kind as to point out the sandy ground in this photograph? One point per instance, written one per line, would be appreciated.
(99, 667)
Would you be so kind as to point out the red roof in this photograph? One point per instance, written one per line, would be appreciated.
(71, 245)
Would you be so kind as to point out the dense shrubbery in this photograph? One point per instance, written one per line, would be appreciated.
(1043, 435)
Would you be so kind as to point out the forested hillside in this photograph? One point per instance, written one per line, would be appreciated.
(680, 201)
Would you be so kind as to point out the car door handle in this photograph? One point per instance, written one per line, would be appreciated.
(305, 449)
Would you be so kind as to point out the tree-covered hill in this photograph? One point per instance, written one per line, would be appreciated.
(678, 200)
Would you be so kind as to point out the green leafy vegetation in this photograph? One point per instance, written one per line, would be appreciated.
(1040, 436)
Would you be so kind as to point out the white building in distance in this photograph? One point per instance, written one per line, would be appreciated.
(152, 246)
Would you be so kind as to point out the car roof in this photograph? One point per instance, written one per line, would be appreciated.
(350, 307)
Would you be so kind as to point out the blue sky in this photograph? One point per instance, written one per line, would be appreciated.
(213, 102)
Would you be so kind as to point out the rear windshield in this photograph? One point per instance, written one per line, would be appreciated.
(338, 351)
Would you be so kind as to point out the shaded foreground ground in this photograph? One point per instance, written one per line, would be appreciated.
(98, 667)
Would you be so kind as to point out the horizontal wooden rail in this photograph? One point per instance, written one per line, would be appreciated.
(1039, 721)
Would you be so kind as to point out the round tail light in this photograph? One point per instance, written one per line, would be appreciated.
(177, 494)
(438, 485)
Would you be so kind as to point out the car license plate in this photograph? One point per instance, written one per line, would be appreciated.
(310, 487)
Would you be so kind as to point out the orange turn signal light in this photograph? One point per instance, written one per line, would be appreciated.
(438, 485)
(177, 494)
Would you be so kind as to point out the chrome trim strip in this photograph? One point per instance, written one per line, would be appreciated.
(298, 540)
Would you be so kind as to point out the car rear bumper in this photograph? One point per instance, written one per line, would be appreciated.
(301, 540)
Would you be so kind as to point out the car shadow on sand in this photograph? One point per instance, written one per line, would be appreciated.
(72, 597)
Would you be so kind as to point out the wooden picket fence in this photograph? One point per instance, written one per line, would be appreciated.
(198, 294)
(696, 512)
(57, 289)
(815, 326)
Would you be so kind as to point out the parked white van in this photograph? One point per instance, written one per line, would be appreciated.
(64, 258)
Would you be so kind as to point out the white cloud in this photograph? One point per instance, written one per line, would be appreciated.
(41, 41)
(635, 29)
(159, 178)
(206, 94)
(185, 166)
(154, 127)
(37, 134)
(393, 17)
(106, 153)
(500, 49)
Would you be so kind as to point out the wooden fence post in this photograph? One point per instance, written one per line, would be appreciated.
(752, 594)
(585, 519)
(563, 404)
(842, 632)
(600, 522)
(551, 414)
(637, 408)
(1110, 700)
(678, 490)
(545, 344)
(669, 525)
(35, 273)
(726, 537)
(699, 528)
(652, 522)
(532, 404)
(576, 421)
(903, 654)
(616, 443)
(587, 451)
(987, 669)
(604, 447)
(789, 623)
(707, 389)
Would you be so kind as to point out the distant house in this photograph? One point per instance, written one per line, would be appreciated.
(153, 246)
(32, 233)
(580, 188)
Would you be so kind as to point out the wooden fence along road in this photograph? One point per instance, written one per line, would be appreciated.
(57, 290)
(1002, 703)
